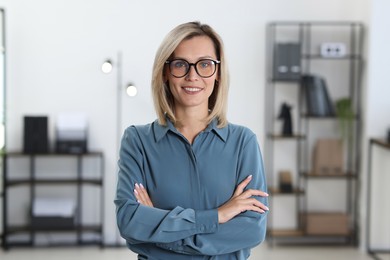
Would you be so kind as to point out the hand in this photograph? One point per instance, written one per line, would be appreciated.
(142, 195)
(241, 201)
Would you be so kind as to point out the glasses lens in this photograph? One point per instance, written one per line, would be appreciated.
(179, 68)
(205, 68)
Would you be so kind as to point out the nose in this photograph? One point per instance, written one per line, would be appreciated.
(191, 74)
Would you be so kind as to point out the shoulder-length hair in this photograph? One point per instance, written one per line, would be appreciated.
(162, 97)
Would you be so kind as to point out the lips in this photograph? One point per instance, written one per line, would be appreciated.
(192, 90)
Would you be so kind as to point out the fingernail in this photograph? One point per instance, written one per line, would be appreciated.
(250, 176)
(136, 192)
(266, 194)
(136, 186)
(266, 208)
(142, 186)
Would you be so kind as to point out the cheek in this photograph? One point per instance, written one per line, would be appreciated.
(210, 85)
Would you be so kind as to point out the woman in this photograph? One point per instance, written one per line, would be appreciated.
(191, 184)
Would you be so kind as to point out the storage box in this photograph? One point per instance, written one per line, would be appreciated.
(326, 223)
(287, 62)
(53, 213)
(285, 182)
(71, 133)
(328, 157)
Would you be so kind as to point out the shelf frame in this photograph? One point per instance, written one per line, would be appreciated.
(303, 33)
(33, 182)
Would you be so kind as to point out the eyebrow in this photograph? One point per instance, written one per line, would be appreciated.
(200, 58)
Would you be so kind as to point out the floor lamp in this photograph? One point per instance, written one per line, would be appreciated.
(107, 67)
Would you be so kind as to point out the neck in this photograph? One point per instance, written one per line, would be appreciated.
(191, 122)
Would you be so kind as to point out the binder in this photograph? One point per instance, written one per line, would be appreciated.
(318, 103)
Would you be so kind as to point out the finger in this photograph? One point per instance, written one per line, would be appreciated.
(256, 209)
(253, 205)
(140, 195)
(240, 187)
(252, 192)
(146, 196)
(258, 204)
(143, 195)
(137, 193)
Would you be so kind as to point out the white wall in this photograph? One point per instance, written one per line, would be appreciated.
(55, 49)
(377, 123)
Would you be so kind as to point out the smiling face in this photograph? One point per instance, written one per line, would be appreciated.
(192, 91)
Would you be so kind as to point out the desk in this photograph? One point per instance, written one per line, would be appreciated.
(386, 146)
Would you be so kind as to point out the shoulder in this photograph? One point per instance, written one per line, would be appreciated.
(239, 134)
(139, 131)
(240, 130)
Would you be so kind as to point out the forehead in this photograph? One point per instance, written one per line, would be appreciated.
(195, 47)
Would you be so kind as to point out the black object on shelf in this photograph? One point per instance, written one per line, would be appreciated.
(52, 222)
(71, 146)
(35, 138)
(317, 97)
(285, 115)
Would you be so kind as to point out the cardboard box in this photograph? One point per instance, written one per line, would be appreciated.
(53, 213)
(285, 182)
(328, 156)
(326, 223)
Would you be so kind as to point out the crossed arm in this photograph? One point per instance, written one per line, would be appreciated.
(240, 201)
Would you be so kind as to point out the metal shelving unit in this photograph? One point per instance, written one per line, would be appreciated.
(33, 183)
(372, 249)
(300, 144)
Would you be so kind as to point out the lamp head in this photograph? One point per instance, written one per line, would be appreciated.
(107, 66)
(131, 90)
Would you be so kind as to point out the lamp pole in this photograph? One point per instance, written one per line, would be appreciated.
(131, 91)
(119, 99)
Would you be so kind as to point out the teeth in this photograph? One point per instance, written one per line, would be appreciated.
(192, 89)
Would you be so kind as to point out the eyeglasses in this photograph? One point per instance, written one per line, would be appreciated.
(205, 67)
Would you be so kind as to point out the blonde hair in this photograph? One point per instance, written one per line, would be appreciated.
(162, 97)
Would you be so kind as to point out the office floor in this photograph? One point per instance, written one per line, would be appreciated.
(259, 253)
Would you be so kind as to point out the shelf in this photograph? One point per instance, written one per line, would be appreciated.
(286, 233)
(329, 176)
(381, 143)
(319, 57)
(21, 154)
(53, 181)
(319, 117)
(286, 137)
(84, 228)
(276, 191)
(315, 23)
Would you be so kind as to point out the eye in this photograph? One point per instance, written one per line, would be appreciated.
(179, 64)
(205, 63)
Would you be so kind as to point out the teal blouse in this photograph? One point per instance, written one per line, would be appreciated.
(187, 183)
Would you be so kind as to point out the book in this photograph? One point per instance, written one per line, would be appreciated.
(318, 103)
